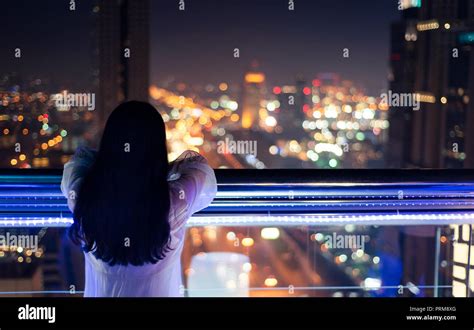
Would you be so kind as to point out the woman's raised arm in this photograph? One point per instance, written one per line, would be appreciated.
(193, 186)
(74, 172)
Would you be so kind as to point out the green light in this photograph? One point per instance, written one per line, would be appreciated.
(360, 136)
(63, 133)
(466, 38)
(333, 163)
(214, 105)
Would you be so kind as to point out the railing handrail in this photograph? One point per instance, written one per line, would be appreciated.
(295, 176)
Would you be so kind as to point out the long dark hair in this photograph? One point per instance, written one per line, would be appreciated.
(122, 208)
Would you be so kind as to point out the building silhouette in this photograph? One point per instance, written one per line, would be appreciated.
(123, 53)
(402, 64)
(430, 58)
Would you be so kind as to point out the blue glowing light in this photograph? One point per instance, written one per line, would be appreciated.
(23, 221)
(288, 220)
(36, 201)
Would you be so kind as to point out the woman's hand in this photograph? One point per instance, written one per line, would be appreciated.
(187, 157)
(74, 172)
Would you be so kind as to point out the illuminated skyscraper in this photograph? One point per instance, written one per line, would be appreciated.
(432, 56)
(252, 94)
(428, 59)
(123, 52)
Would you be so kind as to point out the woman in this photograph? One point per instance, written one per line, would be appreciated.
(130, 205)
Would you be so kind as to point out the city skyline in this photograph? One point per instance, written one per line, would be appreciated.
(313, 40)
(179, 49)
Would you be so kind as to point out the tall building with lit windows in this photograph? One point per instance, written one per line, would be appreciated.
(428, 58)
(432, 56)
(459, 120)
(463, 270)
(435, 39)
(253, 92)
(123, 53)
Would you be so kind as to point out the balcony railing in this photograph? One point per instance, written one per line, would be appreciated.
(32, 198)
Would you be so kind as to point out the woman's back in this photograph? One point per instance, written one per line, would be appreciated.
(192, 187)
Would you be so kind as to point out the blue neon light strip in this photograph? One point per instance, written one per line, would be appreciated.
(34, 221)
(280, 220)
(379, 219)
(36, 201)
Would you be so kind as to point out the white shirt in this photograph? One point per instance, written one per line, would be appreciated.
(192, 185)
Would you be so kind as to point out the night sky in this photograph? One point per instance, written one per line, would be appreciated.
(55, 42)
(196, 46)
